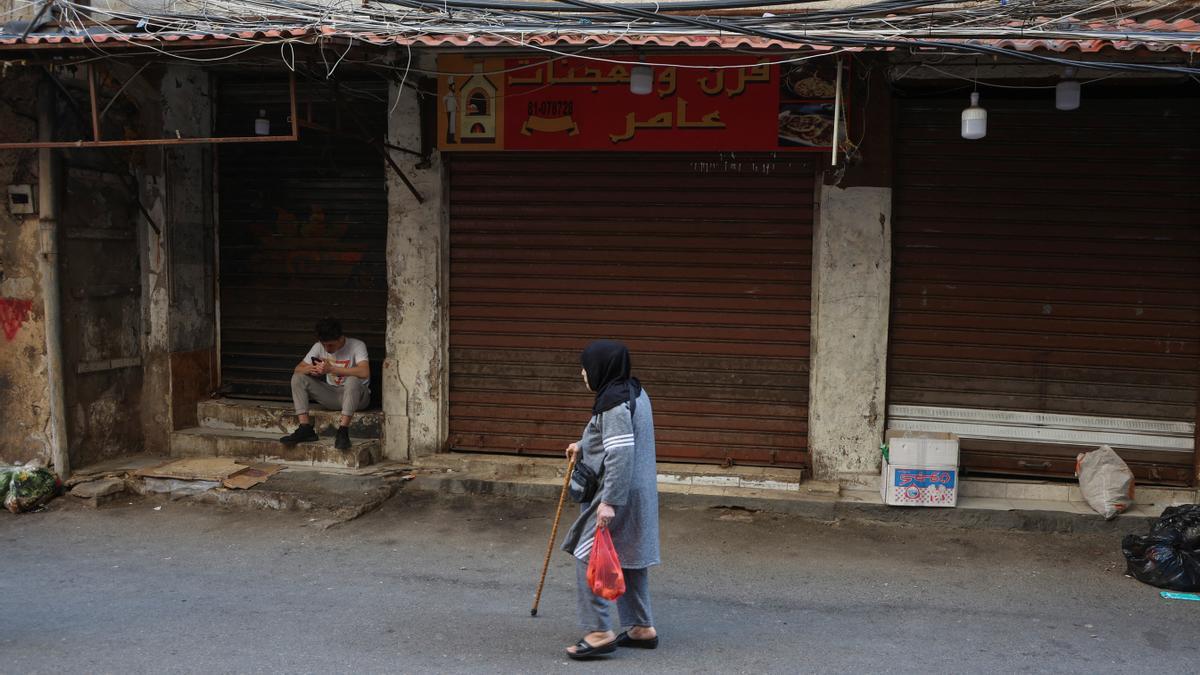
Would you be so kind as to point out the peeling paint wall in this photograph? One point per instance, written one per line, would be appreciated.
(414, 373)
(24, 405)
(852, 265)
(100, 279)
(137, 293)
(187, 110)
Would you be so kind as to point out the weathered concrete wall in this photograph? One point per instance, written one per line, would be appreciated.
(187, 109)
(100, 272)
(414, 374)
(852, 264)
(24, 404)
(178, 258)
(102, 355)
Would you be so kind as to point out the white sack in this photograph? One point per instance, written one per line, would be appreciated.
(1105, 480)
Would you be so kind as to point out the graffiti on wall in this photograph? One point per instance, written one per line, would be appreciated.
(309, 244)
(13, 314)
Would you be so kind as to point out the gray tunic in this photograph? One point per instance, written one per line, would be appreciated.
(620, 447)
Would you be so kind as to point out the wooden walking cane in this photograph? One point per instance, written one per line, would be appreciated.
(553, 533)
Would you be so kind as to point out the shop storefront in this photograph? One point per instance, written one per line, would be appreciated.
(679, 221)
(1045, 282)
(302, 229)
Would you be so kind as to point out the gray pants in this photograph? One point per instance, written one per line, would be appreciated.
(351, 397)
(633, 607)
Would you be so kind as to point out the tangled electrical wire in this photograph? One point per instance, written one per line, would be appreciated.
(980, 28)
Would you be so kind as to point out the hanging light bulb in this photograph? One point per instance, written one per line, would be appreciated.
(974, 119)
(1066, 92)
(262, 125)
(641, 79)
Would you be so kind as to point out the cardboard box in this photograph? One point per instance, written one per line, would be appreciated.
(920, 469)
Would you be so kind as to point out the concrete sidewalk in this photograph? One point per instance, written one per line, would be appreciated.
(340, 495)
(333, 495)
(1033, 506)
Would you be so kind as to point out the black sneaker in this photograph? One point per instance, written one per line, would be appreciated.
(303, 434)
(342, 440)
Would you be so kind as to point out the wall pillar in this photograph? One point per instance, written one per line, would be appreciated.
(852, 277)
(178, 259)
(415, 373)
(852, 263)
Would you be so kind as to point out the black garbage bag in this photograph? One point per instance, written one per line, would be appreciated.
(1168, 557)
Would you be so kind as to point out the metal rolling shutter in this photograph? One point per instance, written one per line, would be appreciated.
(1052, 268)
(701, 264)
(303, 234)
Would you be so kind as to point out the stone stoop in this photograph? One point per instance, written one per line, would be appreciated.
(277, 418)
(250, 430)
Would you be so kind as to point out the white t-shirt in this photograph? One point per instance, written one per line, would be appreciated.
(351, 354)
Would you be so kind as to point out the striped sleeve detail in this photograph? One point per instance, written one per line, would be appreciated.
(618, 441)
(584, 549)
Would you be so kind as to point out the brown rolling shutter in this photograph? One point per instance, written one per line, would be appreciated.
(303, 234)
(701, 264)
(1051, 268)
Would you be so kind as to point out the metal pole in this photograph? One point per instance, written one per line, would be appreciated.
(48, 266)
(837, 111)
(95, 103)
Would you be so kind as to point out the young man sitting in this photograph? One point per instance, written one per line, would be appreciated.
(334, 373)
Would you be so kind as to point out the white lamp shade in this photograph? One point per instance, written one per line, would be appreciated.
(262, 125)
(974, 120)
(641, 80)
(1066, 95)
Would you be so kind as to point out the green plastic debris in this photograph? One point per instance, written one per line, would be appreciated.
(883, 448)
(1176, 595)
(23, 488)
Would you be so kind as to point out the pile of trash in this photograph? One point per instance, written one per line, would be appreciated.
(1168, 557)
(24, 488)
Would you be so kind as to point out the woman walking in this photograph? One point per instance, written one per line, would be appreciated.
(618, 446)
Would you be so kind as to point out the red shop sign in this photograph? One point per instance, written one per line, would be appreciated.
(715, 102)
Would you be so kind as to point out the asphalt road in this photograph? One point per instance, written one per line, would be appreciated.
(430, 584)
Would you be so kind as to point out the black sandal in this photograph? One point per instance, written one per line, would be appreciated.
(623, 640)
(584, 651)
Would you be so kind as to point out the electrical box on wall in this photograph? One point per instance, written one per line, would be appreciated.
(20, 200)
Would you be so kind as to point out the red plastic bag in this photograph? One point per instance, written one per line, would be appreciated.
(605, 577)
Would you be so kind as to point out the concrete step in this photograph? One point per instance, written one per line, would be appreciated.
(279, 418)
(553, 469)
(265, 447)
(971, 512)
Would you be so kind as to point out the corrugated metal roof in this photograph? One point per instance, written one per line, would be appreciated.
(1122, 36)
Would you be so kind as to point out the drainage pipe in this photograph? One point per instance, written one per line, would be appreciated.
(48, 266)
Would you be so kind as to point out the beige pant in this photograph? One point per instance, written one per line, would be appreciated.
(352, 396)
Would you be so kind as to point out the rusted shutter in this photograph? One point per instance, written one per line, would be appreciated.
(1052, 268)
(701, 264)
(303, 233)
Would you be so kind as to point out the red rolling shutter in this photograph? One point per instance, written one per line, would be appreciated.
(1051, 268)
(701, 264)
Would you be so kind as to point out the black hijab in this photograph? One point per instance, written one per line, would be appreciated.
(607, 366)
